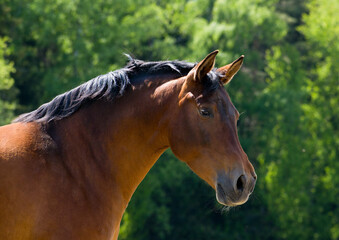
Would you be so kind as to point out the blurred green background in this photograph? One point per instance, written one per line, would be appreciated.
(287, 92)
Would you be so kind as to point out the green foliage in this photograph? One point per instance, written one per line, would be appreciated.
(300, 163)
(322, 113)
(287, 94)
(285, 162)
(7, 91)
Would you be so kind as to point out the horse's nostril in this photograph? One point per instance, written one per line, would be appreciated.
(241, 183)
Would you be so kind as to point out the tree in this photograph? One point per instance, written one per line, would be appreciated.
(7, 91)
(321, 30)
(301, 160)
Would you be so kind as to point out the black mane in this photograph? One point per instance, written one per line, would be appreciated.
(108, 87)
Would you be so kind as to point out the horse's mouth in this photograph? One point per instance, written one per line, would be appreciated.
(227, 199)
(222, 196)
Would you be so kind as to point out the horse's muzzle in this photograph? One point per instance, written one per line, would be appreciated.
(233, 191)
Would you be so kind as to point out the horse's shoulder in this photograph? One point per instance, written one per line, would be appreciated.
(24, 138)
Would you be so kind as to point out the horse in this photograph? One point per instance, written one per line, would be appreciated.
(69, 168)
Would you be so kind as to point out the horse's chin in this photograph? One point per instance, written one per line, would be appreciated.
(229, 203)
(226, 200)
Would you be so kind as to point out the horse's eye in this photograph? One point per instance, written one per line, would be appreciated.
(205, 112)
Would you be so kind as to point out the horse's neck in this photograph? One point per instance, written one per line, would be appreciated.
(121, 141)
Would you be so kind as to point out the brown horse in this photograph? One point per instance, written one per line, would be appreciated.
(69, 168)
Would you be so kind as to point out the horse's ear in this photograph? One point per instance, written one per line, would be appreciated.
(230, 70)
(205, 66)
